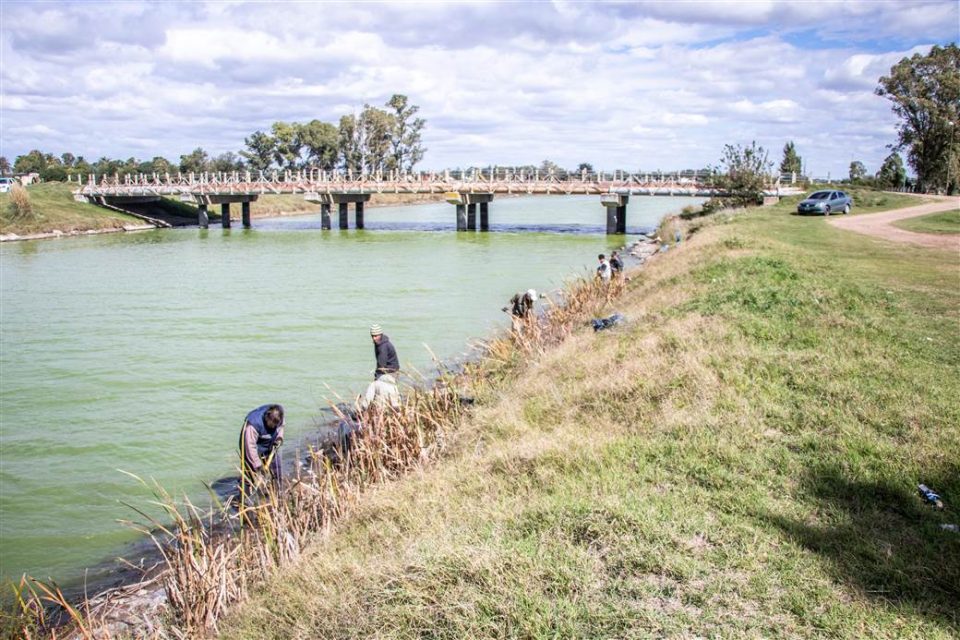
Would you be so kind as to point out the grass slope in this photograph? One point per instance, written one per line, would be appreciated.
(55, 208)
(740, 460)
(947, 222)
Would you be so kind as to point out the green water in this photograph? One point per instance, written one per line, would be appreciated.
(143, 352)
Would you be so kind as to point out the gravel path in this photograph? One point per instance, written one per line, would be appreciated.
(880, 224)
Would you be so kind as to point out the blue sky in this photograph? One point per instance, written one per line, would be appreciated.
(640, 85)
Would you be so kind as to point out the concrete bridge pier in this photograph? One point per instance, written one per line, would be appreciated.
(225, 215)
(358, 214)
(245, 213)
(616, 204)
(204, 200)
(203, 218)
(466, 204)
(324, 215)
(344, 213)
(472, 216)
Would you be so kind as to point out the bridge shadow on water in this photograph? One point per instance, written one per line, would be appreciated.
(278, 224)
(884, 541)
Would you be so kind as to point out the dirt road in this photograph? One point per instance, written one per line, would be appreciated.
(880, 224)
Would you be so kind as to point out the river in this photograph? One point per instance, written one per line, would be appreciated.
(142, 352)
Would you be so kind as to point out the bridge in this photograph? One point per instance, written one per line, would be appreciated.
(466, 190)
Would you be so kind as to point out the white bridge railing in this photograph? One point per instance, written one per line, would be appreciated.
(469, 181)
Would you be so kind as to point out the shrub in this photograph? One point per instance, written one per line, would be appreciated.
(20, 207)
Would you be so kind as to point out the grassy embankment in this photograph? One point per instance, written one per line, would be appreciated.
(55, 208)
(947, 222)
(740, 459)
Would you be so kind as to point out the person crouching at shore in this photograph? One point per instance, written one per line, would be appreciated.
(384, 352)
(260, 439)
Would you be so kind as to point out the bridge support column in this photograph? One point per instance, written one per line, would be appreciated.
(471, 217)
(245, 213)
(343, 215)
(225, 215)
(466, 204)
(359, 214)
(616, 204)
(325, 215)
(203, 218)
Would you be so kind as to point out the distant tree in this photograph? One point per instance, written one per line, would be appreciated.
(33, 162)
(68, 159)
(320, 141)
(925, 92)
(161, 165)
(106, 167)
(226, 162)
(857, 171)
(259, 153)
(376, 127)
(791, 163)
(82, 167)
(405, 136)
(287, 144)
(584, 166)
(5, 167)
(194, 162)
(892, 174)
(53, 173)
(349, 145)
(743, 173)
(548, 167)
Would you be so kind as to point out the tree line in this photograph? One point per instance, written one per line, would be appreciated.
(374, 140)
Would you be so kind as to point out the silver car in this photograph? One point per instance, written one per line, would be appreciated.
(826, 202)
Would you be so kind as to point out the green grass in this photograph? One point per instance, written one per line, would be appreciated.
(740, 460)
(55, 208)
(946, 222)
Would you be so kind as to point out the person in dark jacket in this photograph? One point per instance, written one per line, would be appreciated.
(616, 265)
(521, 304)
(260, 439)
(387, 361)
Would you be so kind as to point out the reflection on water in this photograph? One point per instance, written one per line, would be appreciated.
(144, 351)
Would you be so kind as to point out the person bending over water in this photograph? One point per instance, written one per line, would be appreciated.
(260, 439)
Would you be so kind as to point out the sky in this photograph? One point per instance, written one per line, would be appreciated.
(638, 85)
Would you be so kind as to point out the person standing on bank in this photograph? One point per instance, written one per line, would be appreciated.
(603, 269)
(260, 440)
(386, 355)
(616, 265)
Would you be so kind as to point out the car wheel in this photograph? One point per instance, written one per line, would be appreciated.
(846, 209)
(826, 210)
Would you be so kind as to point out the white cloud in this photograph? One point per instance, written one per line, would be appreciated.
(662, 85)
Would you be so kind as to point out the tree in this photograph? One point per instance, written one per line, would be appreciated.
(68, 159)
(584, 166)
(226, 162)
(320, 143)
(5, 167)
(259, 153)
(925, 92)
(405, 137)
(161, 165)
(791, 163)
(287, 144)
(892, 174)
(376, 127)
(33, 162)
(350, 152)
(195, 162)
(743, 174)
(857, 171)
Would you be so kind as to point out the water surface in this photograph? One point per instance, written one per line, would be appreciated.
(143, 352)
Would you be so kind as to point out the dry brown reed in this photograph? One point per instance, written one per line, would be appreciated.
(20, 206)
(213, 559)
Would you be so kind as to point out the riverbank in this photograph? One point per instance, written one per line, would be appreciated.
(739, 459)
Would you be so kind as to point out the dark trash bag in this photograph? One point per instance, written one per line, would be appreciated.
(599, 324)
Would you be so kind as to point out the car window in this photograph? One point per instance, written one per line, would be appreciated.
(819, 195)
(834, 195)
